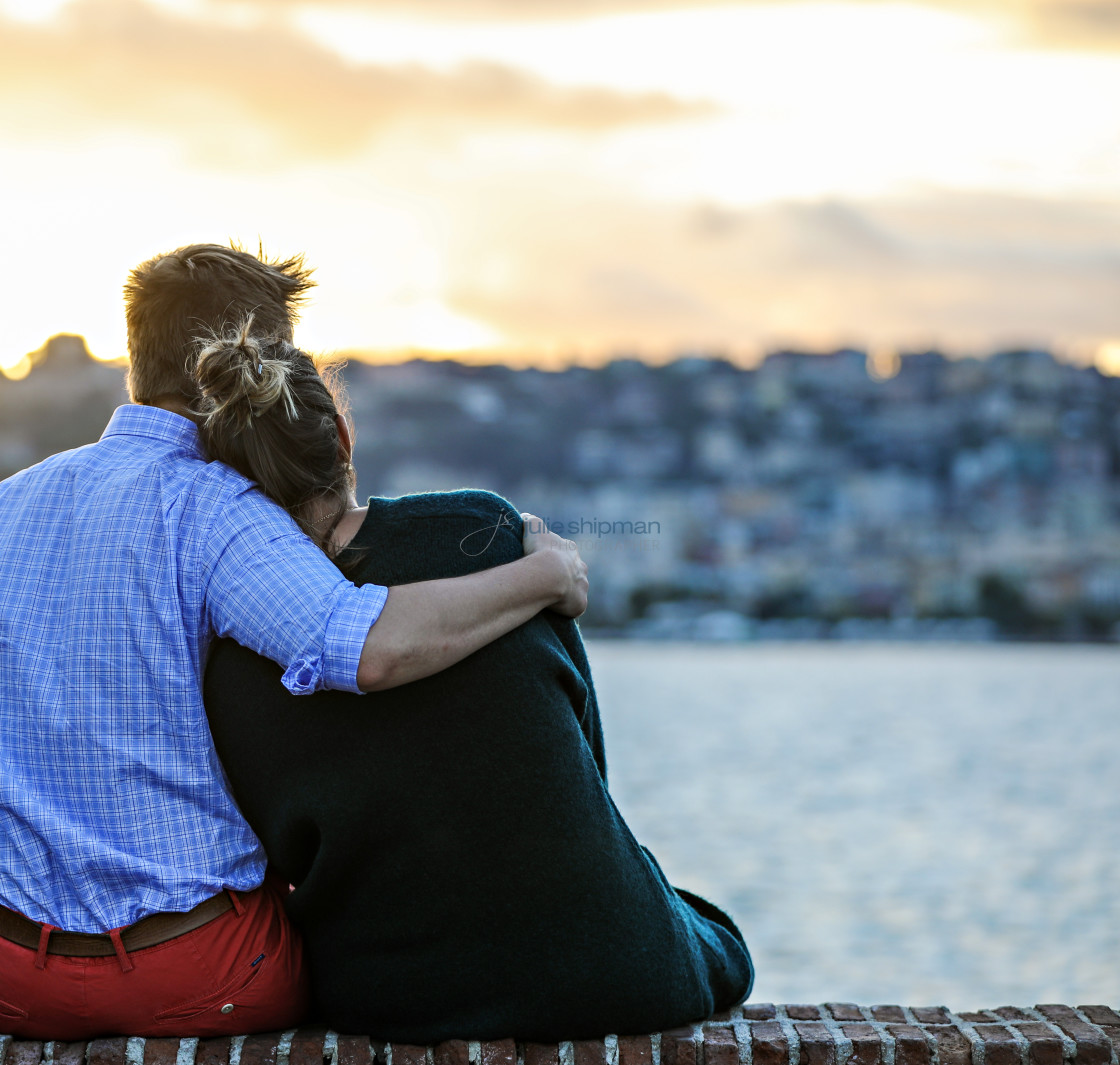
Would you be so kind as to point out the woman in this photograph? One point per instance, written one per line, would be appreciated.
(459, 868)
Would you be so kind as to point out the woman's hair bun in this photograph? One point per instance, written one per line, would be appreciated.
(265, 411)
(240, 375)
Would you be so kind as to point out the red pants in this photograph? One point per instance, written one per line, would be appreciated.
(241, 972)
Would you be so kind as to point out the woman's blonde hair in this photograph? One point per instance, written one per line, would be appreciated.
(266, 410)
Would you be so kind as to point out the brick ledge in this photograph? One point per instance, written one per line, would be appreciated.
(752, 1034)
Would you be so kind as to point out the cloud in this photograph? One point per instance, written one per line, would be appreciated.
(1078, 24)
(267, 87)
(1085, 25)
(498, 10)
(1093, 25)
(967, 271)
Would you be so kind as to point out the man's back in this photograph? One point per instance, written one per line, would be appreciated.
(117, 563)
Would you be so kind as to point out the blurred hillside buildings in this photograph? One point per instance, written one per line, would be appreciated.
(807, 498)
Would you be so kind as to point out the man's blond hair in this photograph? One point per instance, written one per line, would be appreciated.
(200, 290)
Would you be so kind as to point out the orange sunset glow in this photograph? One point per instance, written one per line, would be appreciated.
(549, 181)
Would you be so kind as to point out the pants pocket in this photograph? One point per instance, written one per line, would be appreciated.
(234, 993)
(8, 1012)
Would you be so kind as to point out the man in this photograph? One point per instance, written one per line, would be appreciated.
(132, 893)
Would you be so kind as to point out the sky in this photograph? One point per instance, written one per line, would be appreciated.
(556, 181)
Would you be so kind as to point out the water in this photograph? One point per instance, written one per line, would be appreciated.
(921, 824)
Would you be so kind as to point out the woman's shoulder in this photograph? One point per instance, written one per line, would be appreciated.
(432, 534)
(462, 502)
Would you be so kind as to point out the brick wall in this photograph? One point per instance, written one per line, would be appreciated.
(753, 1034)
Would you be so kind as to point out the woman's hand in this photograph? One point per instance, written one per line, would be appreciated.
(571, 570)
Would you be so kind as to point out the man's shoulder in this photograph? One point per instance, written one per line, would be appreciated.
(220, 496)
(219, 477)
(48, 469)
(132, 466)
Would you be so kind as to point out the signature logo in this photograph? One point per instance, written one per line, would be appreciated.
(503, 522)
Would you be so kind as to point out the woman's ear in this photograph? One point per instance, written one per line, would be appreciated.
(345, 438)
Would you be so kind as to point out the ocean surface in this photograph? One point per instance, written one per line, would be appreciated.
(912, 823)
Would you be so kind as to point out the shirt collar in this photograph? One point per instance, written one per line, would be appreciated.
(155, 423)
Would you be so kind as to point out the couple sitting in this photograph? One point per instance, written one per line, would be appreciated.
(459, 868)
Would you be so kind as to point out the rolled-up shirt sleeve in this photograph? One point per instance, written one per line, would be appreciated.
(347, 627)
(270, 588)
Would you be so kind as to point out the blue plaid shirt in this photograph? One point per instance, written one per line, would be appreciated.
(119, 562)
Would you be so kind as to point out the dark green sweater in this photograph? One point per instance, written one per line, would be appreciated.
(460, 867)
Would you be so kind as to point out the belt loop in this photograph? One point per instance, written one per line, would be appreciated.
(238, 905)
(44, 938)
(122, 954)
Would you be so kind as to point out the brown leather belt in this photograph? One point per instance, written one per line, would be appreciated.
(147, 932)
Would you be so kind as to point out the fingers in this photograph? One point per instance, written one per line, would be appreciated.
(537, 537)
(574, 601)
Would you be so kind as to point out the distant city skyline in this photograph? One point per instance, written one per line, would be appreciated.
(553, 181)
(805, 499)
